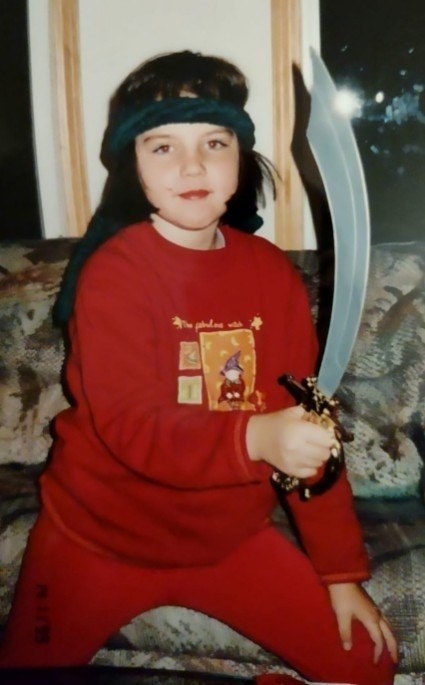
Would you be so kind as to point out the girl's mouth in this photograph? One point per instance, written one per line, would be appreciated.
(194, 194)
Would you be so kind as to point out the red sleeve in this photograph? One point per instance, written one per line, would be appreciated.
(114, 374)
(331, 533)
(327, 524)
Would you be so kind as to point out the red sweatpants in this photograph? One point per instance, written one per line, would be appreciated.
(68, 601)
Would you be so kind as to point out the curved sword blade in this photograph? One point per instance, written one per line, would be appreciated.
(335, 150)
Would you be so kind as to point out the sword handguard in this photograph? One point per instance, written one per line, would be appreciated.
(322, 410)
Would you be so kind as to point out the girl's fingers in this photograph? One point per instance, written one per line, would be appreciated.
(318, 435)
(379, 645)
(306, 473)
(315, 456)
(389, 638)
(308, 463)
(344, 627)
(382, 635)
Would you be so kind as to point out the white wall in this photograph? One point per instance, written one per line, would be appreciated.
(116, 35)
(46, 135)
(310, 12)
(129, 31)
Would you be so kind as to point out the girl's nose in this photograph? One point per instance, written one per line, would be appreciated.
(192, 163)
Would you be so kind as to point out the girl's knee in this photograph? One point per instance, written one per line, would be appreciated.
(363, 670)
(355, 666)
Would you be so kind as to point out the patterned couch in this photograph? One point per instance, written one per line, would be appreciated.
(383, 402)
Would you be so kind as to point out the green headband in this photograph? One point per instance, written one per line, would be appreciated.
(131, 122)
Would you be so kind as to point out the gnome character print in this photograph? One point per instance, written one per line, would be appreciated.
(233, 386)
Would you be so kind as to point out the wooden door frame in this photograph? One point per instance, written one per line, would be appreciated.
(286, 53)
(67, 96)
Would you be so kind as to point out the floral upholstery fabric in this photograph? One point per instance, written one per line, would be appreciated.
(382, 402)
(382, 392)
(31, 349)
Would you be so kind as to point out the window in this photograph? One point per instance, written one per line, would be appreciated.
(376, 54)
(19, 207)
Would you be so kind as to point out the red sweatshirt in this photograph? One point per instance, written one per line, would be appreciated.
(172, 350)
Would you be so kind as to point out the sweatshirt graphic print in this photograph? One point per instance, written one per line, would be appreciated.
(224, 360)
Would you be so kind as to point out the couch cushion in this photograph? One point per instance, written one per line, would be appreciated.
(31, 350)
(382, 394)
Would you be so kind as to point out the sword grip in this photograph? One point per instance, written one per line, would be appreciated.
(321, 409)
(311, 398)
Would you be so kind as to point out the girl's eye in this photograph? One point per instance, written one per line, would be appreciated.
(216, 144)
(162, 149)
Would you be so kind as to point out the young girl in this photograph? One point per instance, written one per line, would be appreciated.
(180, 322)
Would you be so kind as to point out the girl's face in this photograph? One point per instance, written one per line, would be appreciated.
(188, 172)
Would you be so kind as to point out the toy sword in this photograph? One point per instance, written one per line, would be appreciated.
(334, 147)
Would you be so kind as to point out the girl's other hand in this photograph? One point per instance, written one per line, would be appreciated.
(289, 442)
(349, 601)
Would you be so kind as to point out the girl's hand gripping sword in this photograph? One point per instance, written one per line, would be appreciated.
(321, 410)
(335, 150)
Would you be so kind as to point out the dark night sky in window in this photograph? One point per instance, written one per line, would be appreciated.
(19, 207)
(376, 50)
